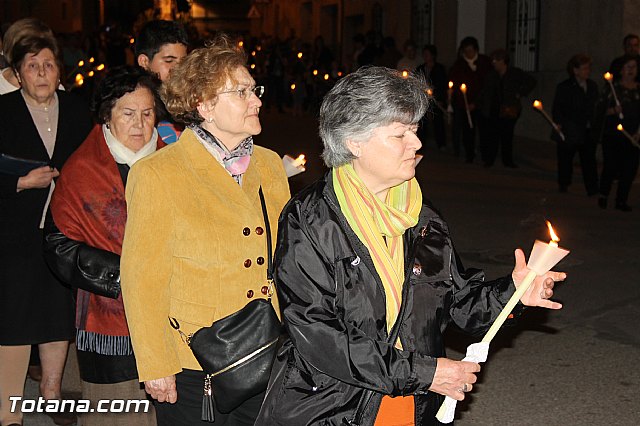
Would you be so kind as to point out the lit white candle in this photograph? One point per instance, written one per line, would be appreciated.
(609, 78)
(628, 136)
(544, 256)
(293, 166)
(463, 89)
(538, 105)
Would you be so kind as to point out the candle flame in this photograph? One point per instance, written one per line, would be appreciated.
(81, 63)
(293, 86)
(537, 104)
(90, 73)
(554, 238)
(608, 76)
(301, 160)
(253, 53)
(463, 88)
(91, 59)
(620, 127)
(299, 55)
(339, 73)
(132, 40)
(405, 73)
(253, 66)
(326, 76)
(315, 72)
(100, 67)
(451, 85)
(240, 43)
(78, 77)
(429, 92)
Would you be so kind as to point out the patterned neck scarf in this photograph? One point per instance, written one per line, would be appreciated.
(236, 161)
(380, 226)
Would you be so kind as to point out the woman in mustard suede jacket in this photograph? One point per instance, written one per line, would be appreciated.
(195, 243)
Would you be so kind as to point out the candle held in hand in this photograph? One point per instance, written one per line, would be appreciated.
(463, 89)
(299, 161)
(543, 257)
(609, 78)
(628, 136)
(538, 105)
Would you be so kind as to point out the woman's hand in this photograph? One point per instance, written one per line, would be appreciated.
(164, 390)
(454, 378)
(37, 178)
(542, 287)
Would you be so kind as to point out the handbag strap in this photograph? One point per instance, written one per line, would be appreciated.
(267, 228)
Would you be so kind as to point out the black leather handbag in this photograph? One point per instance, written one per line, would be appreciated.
(237, 351)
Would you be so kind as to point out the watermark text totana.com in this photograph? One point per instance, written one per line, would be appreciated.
(42, 405)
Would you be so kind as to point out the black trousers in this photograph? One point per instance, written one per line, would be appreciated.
(497, 133)
(462, 131)
(587, 152)
(187, 411)
(621, 160)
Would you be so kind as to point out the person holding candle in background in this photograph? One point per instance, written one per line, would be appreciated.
(366, 270)
(573, 111)
(410, 60)
(631, 45)
(500, 106)
(435, 75)
(471, 69)
(621, 156)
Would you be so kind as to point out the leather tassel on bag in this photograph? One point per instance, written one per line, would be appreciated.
(208, 412)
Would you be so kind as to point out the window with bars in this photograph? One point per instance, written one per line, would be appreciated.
(421, 20)
(523, 33)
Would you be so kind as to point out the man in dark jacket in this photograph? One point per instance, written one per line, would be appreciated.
(500, 107)
(573, 110)
(631, 44)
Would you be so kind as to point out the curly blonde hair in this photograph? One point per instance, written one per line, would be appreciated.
(199, 76)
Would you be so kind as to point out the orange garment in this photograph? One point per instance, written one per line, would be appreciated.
(398, 411)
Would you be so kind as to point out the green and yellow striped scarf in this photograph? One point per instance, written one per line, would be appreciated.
(380, 226)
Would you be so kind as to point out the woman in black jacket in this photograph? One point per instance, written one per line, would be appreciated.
(621, 155)
(45, 125)
(573, 110)
(367, 276)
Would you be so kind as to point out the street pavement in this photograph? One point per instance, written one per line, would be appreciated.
(576, 366)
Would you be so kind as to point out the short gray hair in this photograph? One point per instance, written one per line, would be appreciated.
(369, 98)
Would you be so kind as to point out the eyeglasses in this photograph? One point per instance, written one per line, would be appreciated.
(245, 93)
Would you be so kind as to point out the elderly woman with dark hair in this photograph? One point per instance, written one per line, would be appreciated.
(84, 240)
(367, 276)
(196, 241)
(26, 27)
(45, 125)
